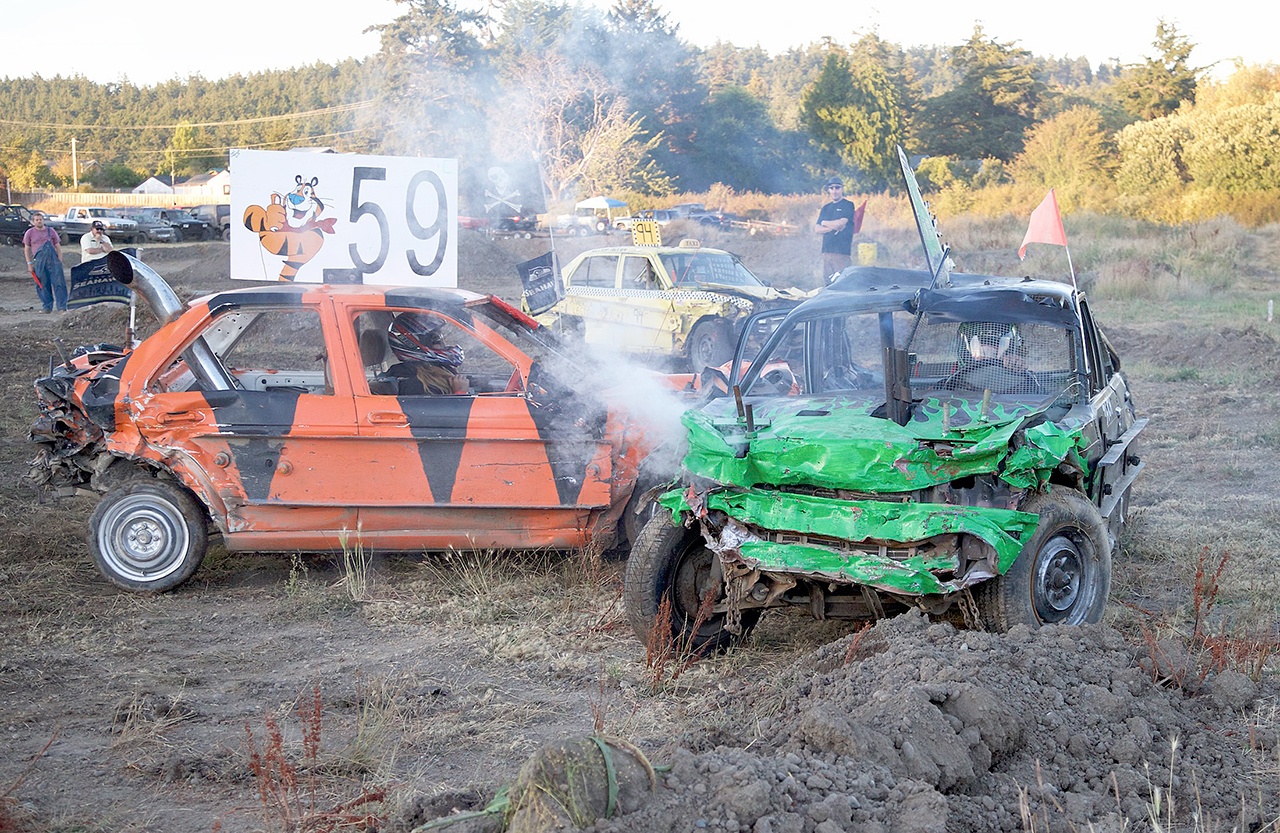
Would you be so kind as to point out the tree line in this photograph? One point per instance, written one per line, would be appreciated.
(582, 101)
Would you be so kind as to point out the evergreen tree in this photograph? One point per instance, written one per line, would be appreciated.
(854, 110)
(990, 109)
(1158, 86)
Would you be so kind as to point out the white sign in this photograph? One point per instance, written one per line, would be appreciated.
(341, 218)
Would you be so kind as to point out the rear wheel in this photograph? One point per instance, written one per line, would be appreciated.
(710, 344)
(148, 536)
(1063, 574)
(671, 562)
(226, 233)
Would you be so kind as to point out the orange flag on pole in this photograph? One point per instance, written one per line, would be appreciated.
(1045, 225)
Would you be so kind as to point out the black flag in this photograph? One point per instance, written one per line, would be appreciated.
(542, 287)
(91, 283)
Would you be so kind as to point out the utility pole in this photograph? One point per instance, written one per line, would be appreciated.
(75, 166)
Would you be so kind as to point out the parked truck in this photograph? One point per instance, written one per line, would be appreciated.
(77, 221)
(14, 222)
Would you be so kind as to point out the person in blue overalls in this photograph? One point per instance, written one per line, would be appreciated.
(44, 260)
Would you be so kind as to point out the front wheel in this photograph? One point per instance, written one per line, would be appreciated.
(148, 536)
(1063, 574)
(672, 562)
(710, 344)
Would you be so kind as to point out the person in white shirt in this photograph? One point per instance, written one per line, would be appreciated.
(94, 243)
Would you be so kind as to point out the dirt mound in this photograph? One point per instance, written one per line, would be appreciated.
(913, 726)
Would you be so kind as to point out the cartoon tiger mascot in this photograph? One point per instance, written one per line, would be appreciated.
(290, 227)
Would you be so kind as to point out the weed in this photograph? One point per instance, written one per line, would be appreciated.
(290, 794)
(355, 565)
(668, 656)
(297, 574)
(12, 819)
(1186, 659)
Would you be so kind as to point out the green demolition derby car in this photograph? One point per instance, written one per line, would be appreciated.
(961, 444)
(967, 450)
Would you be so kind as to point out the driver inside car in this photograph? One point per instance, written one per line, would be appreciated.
(427, 365)
(988, 342)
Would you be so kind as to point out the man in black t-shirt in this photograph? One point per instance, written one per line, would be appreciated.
(835, 224)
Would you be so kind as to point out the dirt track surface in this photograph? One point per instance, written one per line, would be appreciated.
(128, 713)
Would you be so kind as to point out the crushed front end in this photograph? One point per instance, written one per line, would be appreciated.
(76, 403)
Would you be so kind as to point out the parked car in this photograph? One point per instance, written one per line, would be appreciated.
(184, 224)
(150, 228)
(78, 220)
(517, 224)
(14, 222)
(963, 446)
(264, 415)
(660, 216)
(682, 302)
(217, 215)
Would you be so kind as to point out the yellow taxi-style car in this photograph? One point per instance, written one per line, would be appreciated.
(686, 302)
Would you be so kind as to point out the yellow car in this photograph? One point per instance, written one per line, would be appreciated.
(685, 301)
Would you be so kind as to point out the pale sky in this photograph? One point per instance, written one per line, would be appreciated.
(147, 44)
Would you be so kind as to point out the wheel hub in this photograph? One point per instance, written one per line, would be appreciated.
(1060, 575)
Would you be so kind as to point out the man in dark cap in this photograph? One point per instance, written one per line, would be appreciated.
(94, 243)
(835, 224)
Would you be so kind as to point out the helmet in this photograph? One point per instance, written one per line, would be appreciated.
(986, 340)
(415, 337)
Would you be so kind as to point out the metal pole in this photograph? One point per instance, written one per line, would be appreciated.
(75, 166)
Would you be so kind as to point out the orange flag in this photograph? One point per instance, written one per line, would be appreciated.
(858, 214)
(1045, 225)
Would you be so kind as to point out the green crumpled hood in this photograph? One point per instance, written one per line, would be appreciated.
(856, 521)
(836, 443)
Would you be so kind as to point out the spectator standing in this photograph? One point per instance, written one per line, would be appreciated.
(44, 260)
(835, 224)
(94, 243)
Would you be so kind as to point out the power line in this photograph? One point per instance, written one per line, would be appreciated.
(337, 108)
(247, 146)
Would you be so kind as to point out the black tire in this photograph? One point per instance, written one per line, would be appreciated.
(601, 226)
(710, 344)
(148, 536)
(670, 561)
(226, 233)
(206, 233)
(1063, 574)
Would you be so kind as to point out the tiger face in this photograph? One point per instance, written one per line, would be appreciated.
(301, 204)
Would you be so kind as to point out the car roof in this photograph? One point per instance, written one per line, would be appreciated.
(661, 250)
(291, 294)
(880, 288)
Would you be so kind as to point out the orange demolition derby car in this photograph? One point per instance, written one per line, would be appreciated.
(304, 417)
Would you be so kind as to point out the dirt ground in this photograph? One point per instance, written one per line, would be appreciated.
(429, 693)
